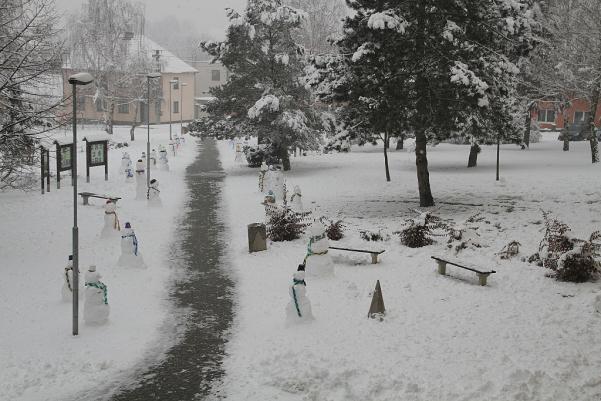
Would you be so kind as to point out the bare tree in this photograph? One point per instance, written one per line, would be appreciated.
(106, 39)
(324, 20)
(29, 54)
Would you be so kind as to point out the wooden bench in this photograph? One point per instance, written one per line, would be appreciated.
(374, 254)
(442, 269)
(87, 195)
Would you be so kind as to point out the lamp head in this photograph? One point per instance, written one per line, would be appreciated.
(82, 78)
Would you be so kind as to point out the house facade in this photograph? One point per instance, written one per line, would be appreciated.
(129, 106)
(550, 115)
(209, 75)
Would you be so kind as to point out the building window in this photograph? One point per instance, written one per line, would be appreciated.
(99, 105)
(176, 106)
(581, 117)
(215, 75)
(546, 116)
(123, 107)
(176, 83)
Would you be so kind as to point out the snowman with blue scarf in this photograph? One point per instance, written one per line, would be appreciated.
(96, 307)
(130, 254)
(318, 262)
(298, 309)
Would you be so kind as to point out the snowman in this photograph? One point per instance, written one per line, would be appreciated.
(140, 180)
(177, 142)
(130, 256)
(95, 308)
(67, 291)
(318, 263)
(238, 158)
(262, 173)
(111, 221)
(183, 139)
(153, 157)
(278, 184)
(154, 193)
(129, 173)
(298, 309)
(296, 201)
(345, 146)
(172, 147)
(125, 162)
(163, 162)
(144, 158)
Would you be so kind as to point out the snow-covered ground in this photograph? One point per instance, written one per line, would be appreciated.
(39, 358)
(523, 337)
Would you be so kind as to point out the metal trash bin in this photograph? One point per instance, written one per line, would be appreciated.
(257, 237)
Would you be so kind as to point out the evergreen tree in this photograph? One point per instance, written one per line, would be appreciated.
(265, 93)
(435, 66)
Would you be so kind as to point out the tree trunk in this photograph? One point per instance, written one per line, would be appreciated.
(283, 153)
(400, 143)
(527, 128)
(566, 138)
(591, 126)
(134, 123)
(386, 141)
(109, 118)
(423, 176)
(473, 158)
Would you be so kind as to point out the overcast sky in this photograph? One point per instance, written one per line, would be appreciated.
(208, 14)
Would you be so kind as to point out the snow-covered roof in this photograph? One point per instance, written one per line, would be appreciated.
(96, 136)
(66, 140)
(169, 62)
(205, 98)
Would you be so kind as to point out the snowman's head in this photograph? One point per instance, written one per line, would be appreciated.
(317, 229)
(110, 206)
(300, 275)
(297, 190)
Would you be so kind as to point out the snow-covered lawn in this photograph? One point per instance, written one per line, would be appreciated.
(39, 358)
(523, 337)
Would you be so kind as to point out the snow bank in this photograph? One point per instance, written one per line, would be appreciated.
(39, 358)
(522, 337)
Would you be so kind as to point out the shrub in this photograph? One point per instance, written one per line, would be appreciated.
(367, 235)
(334, 229)
(285, 225)
(255, 155)
(419, 231)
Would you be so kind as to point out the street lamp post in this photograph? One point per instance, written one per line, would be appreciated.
(148, 78)
(83, 78)
(171, 83)
(181, 108)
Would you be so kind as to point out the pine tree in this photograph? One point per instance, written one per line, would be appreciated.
(435, 66)
(265, 93)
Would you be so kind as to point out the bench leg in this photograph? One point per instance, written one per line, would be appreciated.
(442, 267)
(85, 200)
(374, 258)
(482, 278)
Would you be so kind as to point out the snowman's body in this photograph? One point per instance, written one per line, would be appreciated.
(262, 173)
(130, 255)
(298, 309)
(296, 202)
(125, 162)
(111, 221)
(274, 181)
(318, 262)
(96, 309)
(154, 193)
(140, 180)
(163, 161)
(67, 290)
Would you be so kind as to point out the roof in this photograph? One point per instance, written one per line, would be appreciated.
(96, 137)
(169, 62)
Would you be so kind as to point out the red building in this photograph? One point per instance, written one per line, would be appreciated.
(549, 114)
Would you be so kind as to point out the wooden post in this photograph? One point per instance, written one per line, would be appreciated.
(374, 258)
(48, 169)
(482, 278)
(442, 267)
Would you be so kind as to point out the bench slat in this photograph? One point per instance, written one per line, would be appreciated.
(357, 250)
(463, 267)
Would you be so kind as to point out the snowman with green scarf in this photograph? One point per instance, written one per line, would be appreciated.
(318, 262)
(96, 308)
(298, 309)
